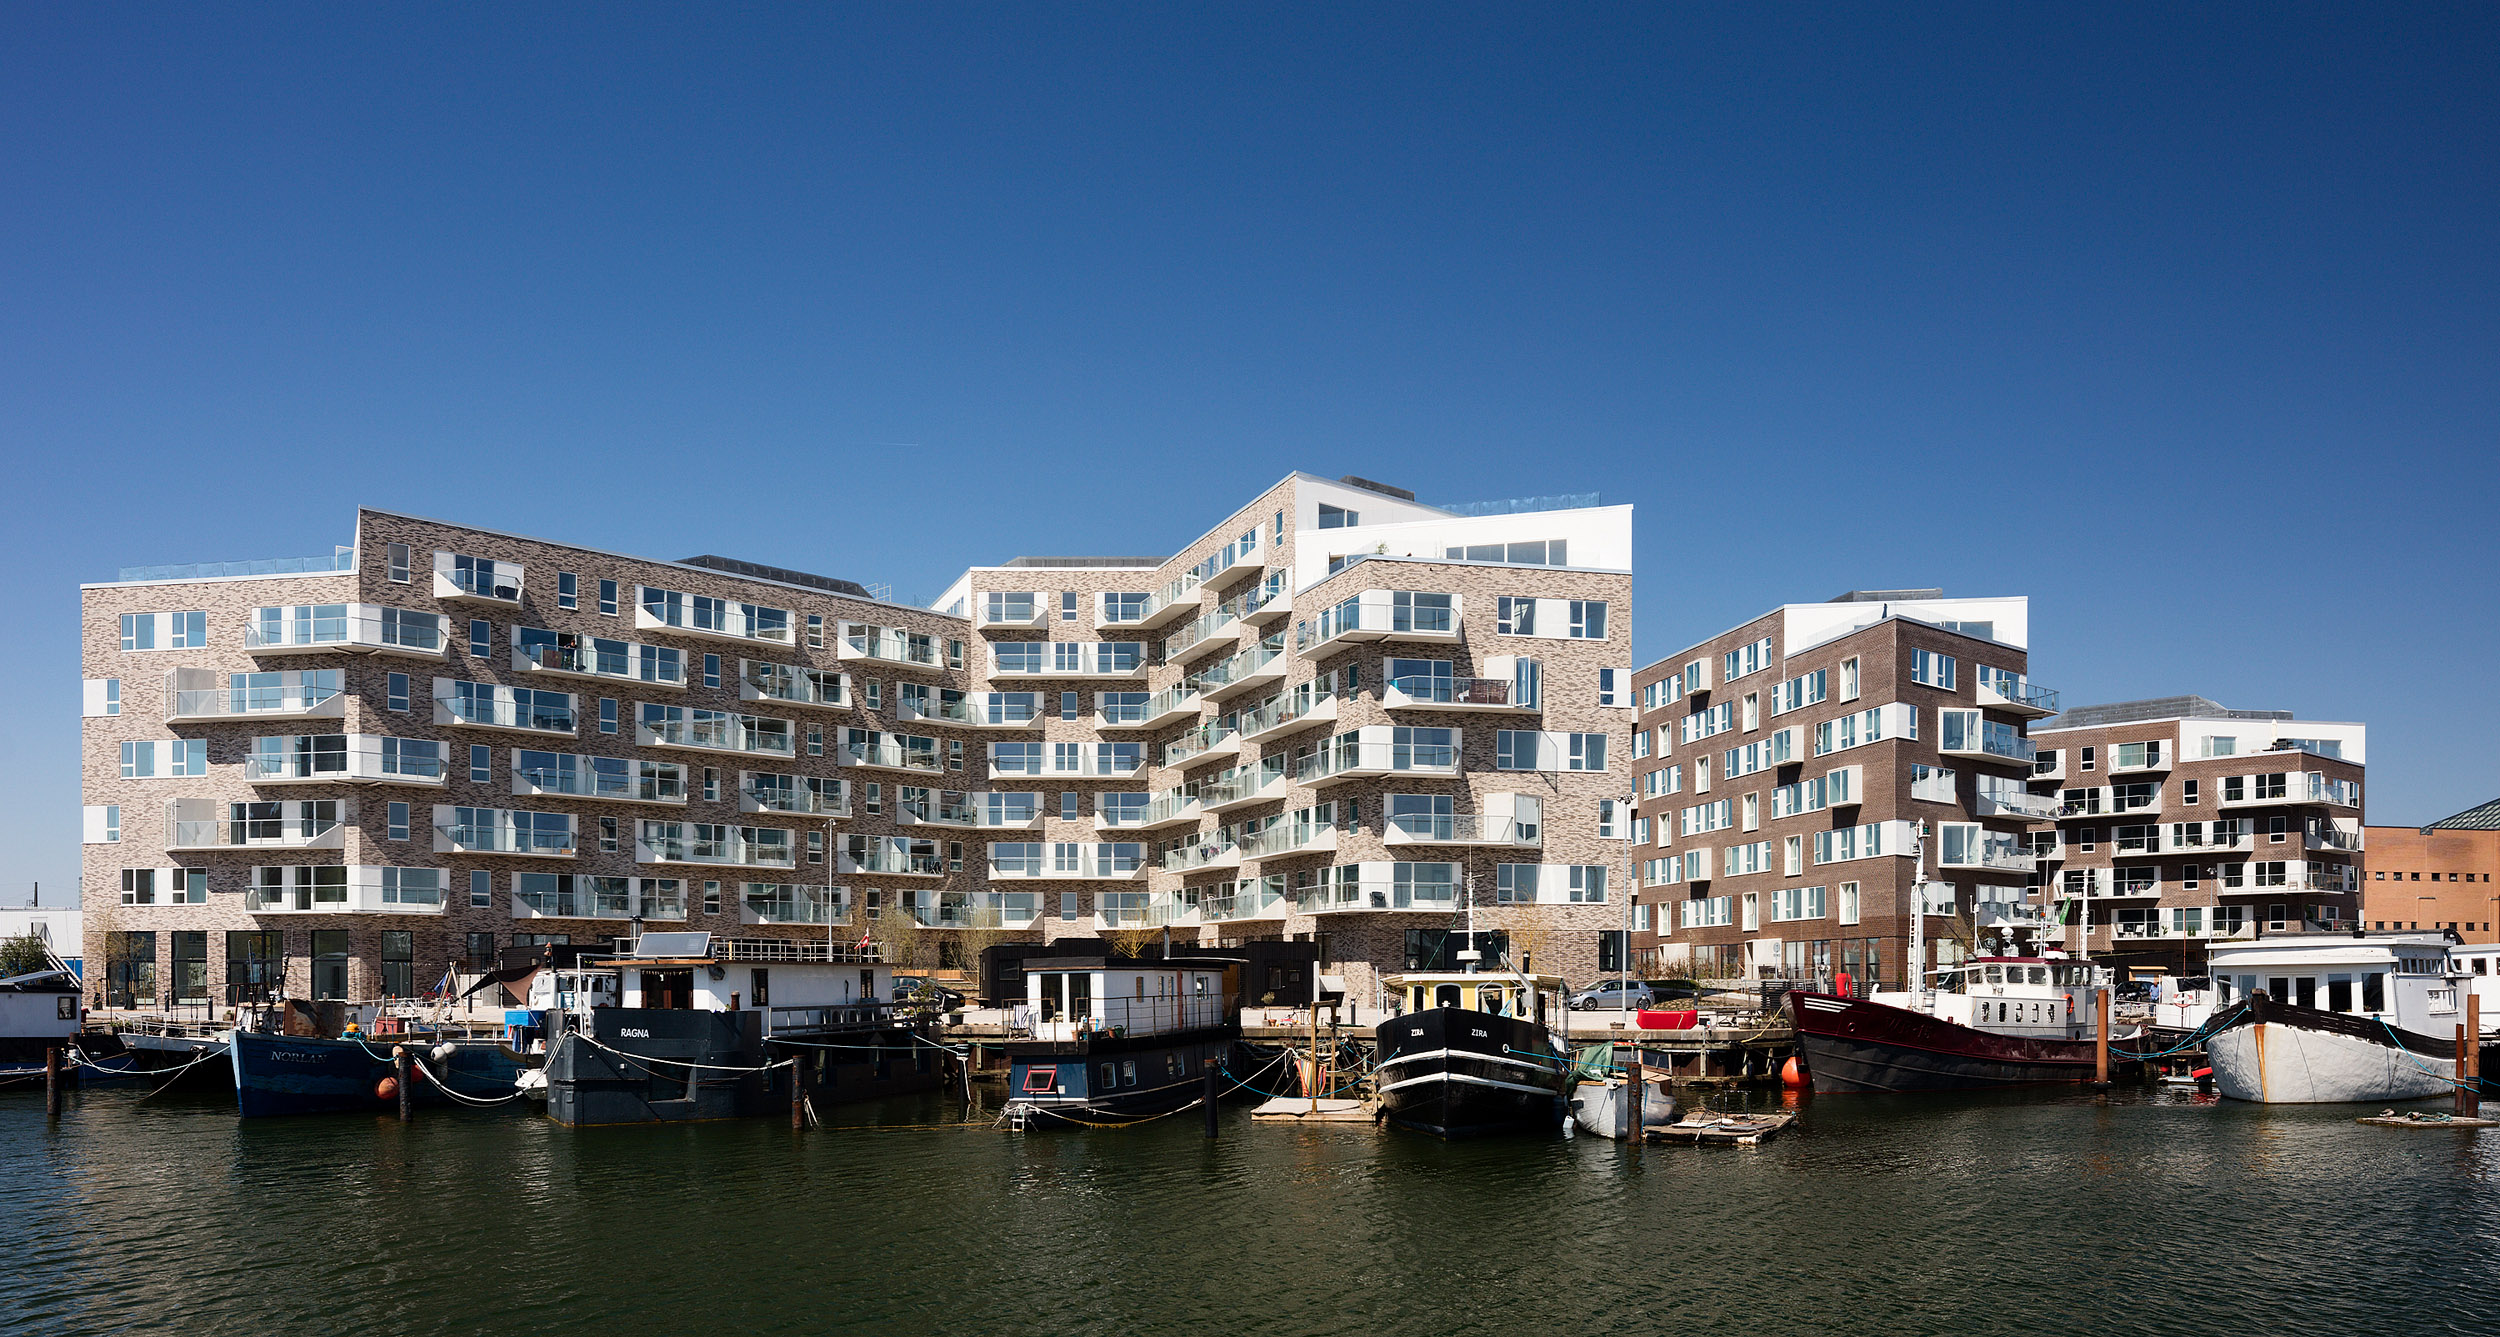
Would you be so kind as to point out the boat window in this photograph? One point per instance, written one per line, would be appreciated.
(1489, 999)
(2279, 988)
(2373, 991)
(2039, 974)
(1041, 1079)
(2339, 993)
(2308, 991)
(1994, 974)
(1110, 1076)
(1419, 997)
(1445, 996)
(1128, 1072)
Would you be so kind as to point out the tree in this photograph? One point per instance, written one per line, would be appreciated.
(1530, 936)
(1132, 941)
(905, 942)
(24, 956)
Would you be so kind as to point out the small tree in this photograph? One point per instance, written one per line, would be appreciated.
(1132, 941)
(905, 942)
(24, 956)
(1530, 936)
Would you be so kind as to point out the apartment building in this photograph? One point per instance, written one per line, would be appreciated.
(2436, 876)
(1337, 716)
(2180, 823)
(1332, 717)
(1790, 768)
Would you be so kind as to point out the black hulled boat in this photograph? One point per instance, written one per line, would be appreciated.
(1471, 1055)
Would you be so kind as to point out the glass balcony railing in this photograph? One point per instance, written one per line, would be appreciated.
(1259, 663)
(344, 626)
(795, 685)
(2007, 690)
(742, 847)
(893, 647)
(621, 660)
(738, 733)
(893, 757)
(1461, 829)
(804, 800)
(281, 700)
(504, 837)
(1206, 854)
(1202, 741)
(1197, 634)
(893, 860)
(1418, 690)
(535, 715)
(625, 785)
(1346, 757)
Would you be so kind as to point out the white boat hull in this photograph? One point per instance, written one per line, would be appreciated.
(1605, 1109)
(2277, 1064)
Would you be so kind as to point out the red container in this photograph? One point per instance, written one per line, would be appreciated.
(1654, 1019)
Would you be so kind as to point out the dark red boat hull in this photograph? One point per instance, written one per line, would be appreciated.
(1854, 1046)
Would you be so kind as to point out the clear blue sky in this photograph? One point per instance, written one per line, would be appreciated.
(2181, 321)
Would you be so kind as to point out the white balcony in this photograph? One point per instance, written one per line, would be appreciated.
(2014, 695)
(204, 696)
(528, 835)
(1007, 812)
(1023, 611)
(344, 759)
(937, 810)
(459, 576)
(2018, 804)
(794, 795)
(1989, 742)
(983, 710)
(714, 845)
(1249, 785)
(1290, 837)
(1264, 604)
(1288, 714)
(892, 856)
(609, 779)
(889, 756)
(367, 890)
(979, 909)
(1237, 906)
(1462, 829)
(1379, 893)
(1994, 852)
(791, 903)
(1168, 605)
(1261, 665)
(510, 709)
(1165, 810)
(891, 648)
(1165, 707)
(613, 661)
(568, 896)
(705, 618)
(1404, 616)
(1174, 909)
(1102, 661)
(206, 824)
(1212, 741)
(1199, 636)
(1493, 695)
(742, 735)
(1205, 856)
(349, 628)
(1101, 861)
(2138, 759)
(2107, 802)
(1347, 758)
(793, 685)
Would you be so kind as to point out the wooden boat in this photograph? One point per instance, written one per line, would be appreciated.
(277, 1073)
(1471, 1054)
(2326, 1018)
(1725, 1129)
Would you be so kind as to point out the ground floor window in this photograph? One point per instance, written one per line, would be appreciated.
(1611, 947)
(480, 951)
(329, 962)
(190, 958)
(399, 963)
(129, 969)
(255, 965)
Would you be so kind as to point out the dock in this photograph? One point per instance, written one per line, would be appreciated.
(1743, 1130)
(2420, 1120)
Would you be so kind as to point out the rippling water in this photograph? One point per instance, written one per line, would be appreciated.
(2148, 1214)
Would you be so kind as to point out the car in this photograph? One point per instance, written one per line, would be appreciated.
(1613, 996)
(919, 991)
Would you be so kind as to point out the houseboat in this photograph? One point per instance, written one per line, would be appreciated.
(682, 1027)
(1101, 1042)
(2326, 1018)
(299, 1057)
(40, 1011)
(1992, 1022)
(1471, 1053)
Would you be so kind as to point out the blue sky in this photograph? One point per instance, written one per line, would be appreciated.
(2180, 321)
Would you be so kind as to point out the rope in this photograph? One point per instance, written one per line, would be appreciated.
(205, 1056)
(1194, 1103)
(445, 1088)
(678, 1062)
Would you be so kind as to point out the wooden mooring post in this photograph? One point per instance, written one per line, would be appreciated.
(399, 1075)
(1635, 1100)
(2470, 1091)
(1206, 1093)
(798, 1099)
(52, 1082)
(2100, 1047)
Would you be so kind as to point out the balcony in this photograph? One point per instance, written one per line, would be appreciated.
(793, 685)
(980, 909)
(892, 648)
(793, 795)
(2327, 836)
(1258, 902)
(2138, 758)
(1994, 852)
(511, 709)
(344, 759)
(1007, 812)
(1347, 758)
(710, 619)
(888, 756)
(1013, 612)
(2012, 693)
(367, 890)
(745, 735)
(1169, 809)
(195, 696)
(791, 903)
(988, 710)
(1199, 636)
(2323, 880)
(2004, 915)
(1380, 615)
(2107, 803)
(1165, 707)
(205, 824)
(613, 779)
(1498, 695)
(565, 896)
(529, 835)
(936, 810)
(614, 661)
(350, 628)
(1264, 604)
(459, 576)
(1989, 742)
(892, 856)
(1109, 661)
(1174, 909)
(1288, 714)
(1202, 857)
(2018, 804)
(1241, 788)
(1290, 837)
(1462, 829)
(1068, 862)
(715, 846)
(1261, 665)
(1382, 894)
(1212, 741)
(1161, 608)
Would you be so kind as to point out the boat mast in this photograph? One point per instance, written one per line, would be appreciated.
(1918, 919)
(1469, 954)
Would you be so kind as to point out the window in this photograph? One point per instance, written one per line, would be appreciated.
(607, 714)
(1067, 606)
(1931, 668)
(1515, 617)
(481, 638)
(1337, 517)
(104, 696)
(2188, 791)
(607, 597)
(396, 692)
(1527, 684)
(876, 694)
(1745, 659)
(481, 764)
(1752, 714)
(399, 821)
(171, 757)
(481, 889)
(568, 590)
(1607, 694)
(395, 562)
(1588, 619)
(2084, 757)
(607, 835)
(1609, 819)
(1849, 679)
(711, 670)
(1070, 705)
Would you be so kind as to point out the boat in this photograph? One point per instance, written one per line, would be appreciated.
(308, 1058)
(40, 1012)
(1471, 1053)
(682, 1028)
(1603, 1106)
(1101, 1043)
(2336, 1018)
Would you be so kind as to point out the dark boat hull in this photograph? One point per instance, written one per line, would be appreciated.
(661, 1065)
(838, 1067)
(290, 1074)
(1454, 1072)
(1105, 1081)
(1856, 1047)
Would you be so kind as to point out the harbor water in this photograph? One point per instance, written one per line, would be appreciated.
(2148, 1212)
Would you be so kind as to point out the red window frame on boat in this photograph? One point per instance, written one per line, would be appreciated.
(1041, 1079)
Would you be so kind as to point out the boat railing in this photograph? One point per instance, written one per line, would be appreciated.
(1157, 1015)
(790, 1021)
(1775, 992)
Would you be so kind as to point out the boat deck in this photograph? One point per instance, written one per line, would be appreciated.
(1742, 1130)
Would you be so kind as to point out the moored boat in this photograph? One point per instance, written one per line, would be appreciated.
(1603, 1106)
(276, 1073)
(1106, 1042)
(2332, 1018)
(39, 1012)
(2023, 1021)
(1471, 1054)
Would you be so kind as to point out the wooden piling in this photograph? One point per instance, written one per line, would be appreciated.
(2464, 1048)
(2100, 1047)
(407, 1092)
(798, 1099)
(52, 1082)
(1635, 1099)
(2472, 1088)
(1206, 1094)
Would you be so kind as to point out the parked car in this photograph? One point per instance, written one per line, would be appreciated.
(919, 991)
(1613, 996)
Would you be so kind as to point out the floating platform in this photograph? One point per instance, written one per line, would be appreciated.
(2418, 1120)
(1300, 1109)
(1743, 1130)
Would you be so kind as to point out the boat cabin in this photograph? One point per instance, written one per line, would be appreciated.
(1529, 997)
(39, 1010)
(2045, 996)
(1069, 998)
(2400, 978)
(684, 972)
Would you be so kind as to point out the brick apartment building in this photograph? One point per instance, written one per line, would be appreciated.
(1338, 714)
(2436, 876)
(1788, 767)
(2181, 823)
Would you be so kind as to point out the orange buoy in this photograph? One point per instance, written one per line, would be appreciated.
(1793, 1075)
(386, 1089)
